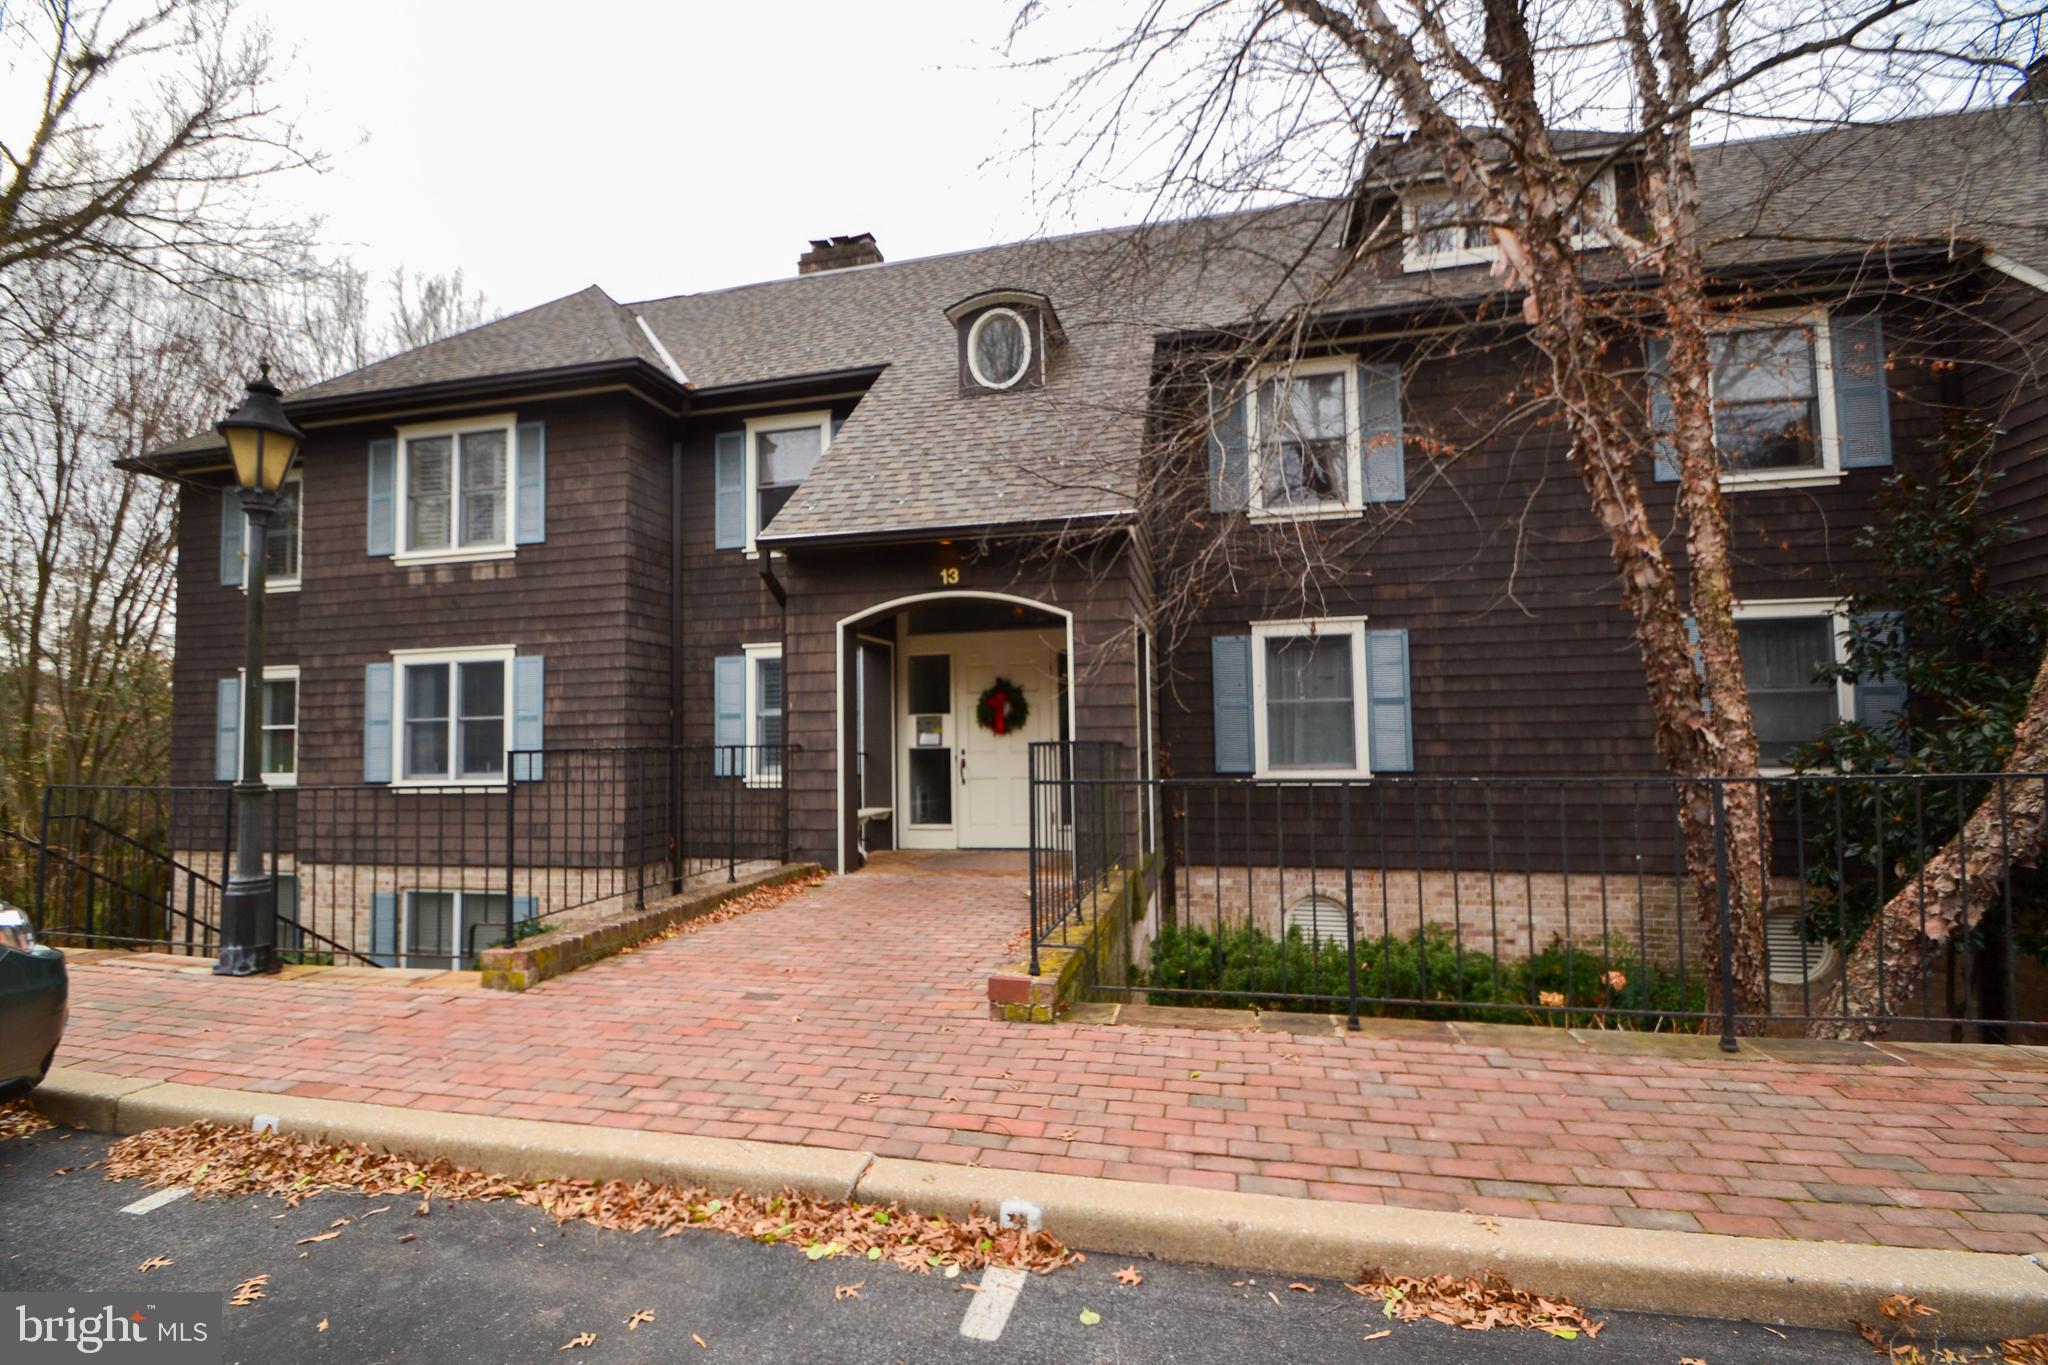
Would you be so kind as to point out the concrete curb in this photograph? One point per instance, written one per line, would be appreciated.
(1980, 1295)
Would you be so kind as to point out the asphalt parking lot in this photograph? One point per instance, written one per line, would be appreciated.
(495, 1282)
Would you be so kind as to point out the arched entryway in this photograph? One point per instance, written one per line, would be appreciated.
(914, 767)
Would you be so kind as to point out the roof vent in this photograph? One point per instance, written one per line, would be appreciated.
(837, 253)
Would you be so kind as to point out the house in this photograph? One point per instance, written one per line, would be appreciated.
(856, 538)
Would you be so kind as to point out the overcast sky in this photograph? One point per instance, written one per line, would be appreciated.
(653, 149)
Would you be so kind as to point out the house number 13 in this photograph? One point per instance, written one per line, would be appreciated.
(949, 576)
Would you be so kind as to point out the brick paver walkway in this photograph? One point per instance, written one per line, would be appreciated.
(854, 1017)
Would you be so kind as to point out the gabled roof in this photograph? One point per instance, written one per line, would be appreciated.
(919, 456)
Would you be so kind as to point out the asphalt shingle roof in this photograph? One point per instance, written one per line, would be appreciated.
(918, 455)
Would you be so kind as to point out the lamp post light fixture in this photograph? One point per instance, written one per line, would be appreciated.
(263, 445)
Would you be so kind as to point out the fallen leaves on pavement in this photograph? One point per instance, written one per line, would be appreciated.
(1476, 1302)
(1129, 1275)
(644, 1315)
(699, 1340)
(319, 1237)
(234, 1162)
(578, 1342)
(19, 1119)
(2031, 1350)
(760, 898)
(322, 1327)
(155, 1263)
(842, 1292)
(248, 1291)
(1089, 1317)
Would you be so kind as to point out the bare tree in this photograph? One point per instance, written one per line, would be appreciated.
(428, 307)
(1518, 111)
(147, 128)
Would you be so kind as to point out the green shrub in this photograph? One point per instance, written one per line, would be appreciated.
(1418, 976)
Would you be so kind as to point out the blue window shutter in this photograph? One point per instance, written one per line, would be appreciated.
(729, 498)
(729, 713)
(1664, 467)
(1879, 698)
(383, 481)
(530, 509)
(377, 722)
(1863, 417)
(525, 908)
(384, 928)
(1230, 466)
(1230, 698)
(227, 730)
(1390, 718)
(529, 672)
(1382, 453)
(232, 529)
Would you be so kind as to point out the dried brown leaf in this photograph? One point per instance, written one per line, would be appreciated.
(842, 1292)
(578, 1342)
(643, 1315)
(20, 1119)
(1476, 1302)
(248, 1291)
(699, 1340)
(319, 1237)
(322, 1327)
(155, 1263)
(1129, 1275)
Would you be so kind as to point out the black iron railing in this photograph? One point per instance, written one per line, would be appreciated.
(408, 874)
(1554, 900)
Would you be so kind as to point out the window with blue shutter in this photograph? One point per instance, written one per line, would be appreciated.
(1230, 699)
(377, 680)
(1389, 697)
(1382, 454)
(383, 486)
(729, 490)
(232, 530)
(1863, 418)
(528, 697)
(530, 506)
(384, 928)
(1230, 464)
(729, 713)
(1664, 466)
(227, 730)
(1879, 697)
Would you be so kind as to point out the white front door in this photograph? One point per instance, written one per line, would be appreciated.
(995, 770)
(963, 786)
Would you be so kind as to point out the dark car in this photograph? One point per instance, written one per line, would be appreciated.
(34, 994)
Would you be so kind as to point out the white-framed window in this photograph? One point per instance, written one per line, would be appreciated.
(281, 726)
(1302, 429)
(999, 348)
(454, 710)
(781, 453)
(765, 732)
(281, 547)
(1773, 394)
(445, 928)
(1437, 232)
(1784, 645)
(455, 490)
(1309, 698)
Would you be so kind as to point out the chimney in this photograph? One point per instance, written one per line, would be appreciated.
(2035, 87)
(837, 253)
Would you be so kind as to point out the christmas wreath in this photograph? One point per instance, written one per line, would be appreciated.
(1002, 707)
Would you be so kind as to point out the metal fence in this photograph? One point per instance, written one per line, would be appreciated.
(388, 875)
(1558, 900)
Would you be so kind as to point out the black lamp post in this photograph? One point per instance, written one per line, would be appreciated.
(263, 444)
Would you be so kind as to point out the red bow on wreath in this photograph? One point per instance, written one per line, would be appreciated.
(1002, 707)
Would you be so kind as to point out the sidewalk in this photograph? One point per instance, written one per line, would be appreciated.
(853, 1018)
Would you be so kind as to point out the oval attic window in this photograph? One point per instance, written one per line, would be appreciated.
(999, 348)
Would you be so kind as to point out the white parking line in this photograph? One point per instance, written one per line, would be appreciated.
(158, 1200)
(990, 1310)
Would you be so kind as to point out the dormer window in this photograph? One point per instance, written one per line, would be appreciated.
(1438, 232)
(1004, 336)
(999, 348)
